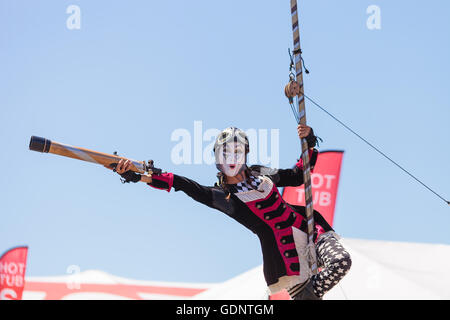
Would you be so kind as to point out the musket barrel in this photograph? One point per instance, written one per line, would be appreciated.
(47, 146)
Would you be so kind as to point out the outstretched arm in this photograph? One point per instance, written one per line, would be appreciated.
(167, 181)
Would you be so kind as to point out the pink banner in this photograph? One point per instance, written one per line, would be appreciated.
(12, 273)
(324, 182)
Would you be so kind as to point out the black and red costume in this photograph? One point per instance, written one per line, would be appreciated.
(279, 226)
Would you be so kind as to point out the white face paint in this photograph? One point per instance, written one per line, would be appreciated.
(231, 158)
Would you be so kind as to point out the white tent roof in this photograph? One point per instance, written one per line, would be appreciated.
(247, 286)
(380, 270)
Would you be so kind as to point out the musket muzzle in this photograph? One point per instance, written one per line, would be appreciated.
(40, 144)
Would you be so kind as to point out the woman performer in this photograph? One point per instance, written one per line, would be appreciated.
(250, 196)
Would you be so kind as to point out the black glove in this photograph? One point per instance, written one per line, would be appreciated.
(130, 176)
(312, 139)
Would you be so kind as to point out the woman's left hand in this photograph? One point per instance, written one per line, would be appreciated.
(303, 130)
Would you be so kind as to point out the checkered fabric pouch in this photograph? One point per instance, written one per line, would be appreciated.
(243, 186)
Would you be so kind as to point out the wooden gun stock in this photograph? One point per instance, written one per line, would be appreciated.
(47, 146)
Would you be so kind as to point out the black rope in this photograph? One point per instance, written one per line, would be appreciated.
(295, 52)
(376, 149)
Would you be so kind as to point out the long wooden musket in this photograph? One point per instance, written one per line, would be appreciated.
(47, 146)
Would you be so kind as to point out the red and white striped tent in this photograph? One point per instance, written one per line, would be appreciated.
(99, 285)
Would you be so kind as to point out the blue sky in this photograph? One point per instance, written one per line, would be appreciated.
(136, 71)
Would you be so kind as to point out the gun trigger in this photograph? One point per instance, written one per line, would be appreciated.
(113, 166)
